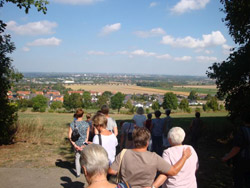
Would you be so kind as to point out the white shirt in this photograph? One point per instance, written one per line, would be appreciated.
(139, 120)
(109, 142)
(111, 124)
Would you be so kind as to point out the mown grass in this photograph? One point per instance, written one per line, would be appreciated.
(41, 141)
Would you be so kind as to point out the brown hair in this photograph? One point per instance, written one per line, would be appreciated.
(105, 109)
(99, 119)
(141, 137)
(79, 113)
(88, 115)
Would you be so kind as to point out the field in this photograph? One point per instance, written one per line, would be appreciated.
(42, 142)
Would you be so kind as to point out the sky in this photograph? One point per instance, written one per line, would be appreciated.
(170, 37)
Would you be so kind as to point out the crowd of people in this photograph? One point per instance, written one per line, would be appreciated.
(152, 151)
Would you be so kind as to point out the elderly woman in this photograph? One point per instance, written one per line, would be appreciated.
(186, 177)
(83, 129)
(138, 166)
(139, 118)
(94, 160)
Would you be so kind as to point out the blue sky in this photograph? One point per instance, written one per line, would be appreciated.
(173, 37)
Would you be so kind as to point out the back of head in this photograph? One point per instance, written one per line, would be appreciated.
(88, 115)
(157, 113)
(105, 109)
(140, 111)
(79, 113)
(99, 120)
(95, 160)
(168, 112)
(197, 114)
(149, 116)
(176, 135)
(141, 137)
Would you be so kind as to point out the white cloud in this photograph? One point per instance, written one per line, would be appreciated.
(77, 2)
(152, 33)
(153, 4)
(143, 53)
(206, 59)
(214, 39)
(25, 49)
(32, 28)
(188, 5)
(122, 52)
(110, 28)
(46, 42)
(96, 53)
(184, 58)
(226, 49)
(164, 56)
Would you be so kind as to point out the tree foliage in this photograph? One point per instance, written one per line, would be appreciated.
(117, 101)
(56, 105)
(233, 75)
(193, 95)
(86, 99)
(170, 101)
(213, 104)
(40, 103)
(8, 75)
(156, 106)
(184, 105)
(73, 101)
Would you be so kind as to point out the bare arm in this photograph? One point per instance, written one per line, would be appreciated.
(115, 131)
(234, 151)
(73, 143)
(178, 166)
(160, 180)
(87, 137)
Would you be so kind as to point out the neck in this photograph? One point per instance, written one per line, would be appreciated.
(98, 179)
(140, 149)
(79, 119)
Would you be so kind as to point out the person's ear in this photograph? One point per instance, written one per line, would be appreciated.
(84, 170)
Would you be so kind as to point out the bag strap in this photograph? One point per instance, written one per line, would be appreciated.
(119, 169)
(100, 139)
(75, 124)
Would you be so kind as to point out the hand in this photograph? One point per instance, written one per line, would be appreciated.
(187, 152)
(78, 148)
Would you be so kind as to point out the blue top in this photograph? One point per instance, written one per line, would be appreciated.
(157, 128)
(82, 127)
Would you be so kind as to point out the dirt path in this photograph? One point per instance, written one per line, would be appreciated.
(39, 178)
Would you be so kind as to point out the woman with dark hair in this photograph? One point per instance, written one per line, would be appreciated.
(83, 129)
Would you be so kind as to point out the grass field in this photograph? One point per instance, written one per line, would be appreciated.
(42, 142)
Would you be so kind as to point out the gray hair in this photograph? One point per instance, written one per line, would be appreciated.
(140, 111)
(95, 159)
(176, 135)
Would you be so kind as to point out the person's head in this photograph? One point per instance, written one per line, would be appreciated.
(157, 113)
(168, 112)
(79, 113)
(74, 116)
(140, 111)
(88, 115)
(197, 114)
(94, 160)
(141, 137)
(105, 109)
(99, 120)
(176, 136)
(149, 116)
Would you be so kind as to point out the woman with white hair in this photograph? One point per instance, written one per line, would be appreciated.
(95, 163)
(139, 118)
(186, 177)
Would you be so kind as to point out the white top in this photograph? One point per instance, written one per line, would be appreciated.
(109, 142)
(139, 120)
(111, 124)
(186, 177)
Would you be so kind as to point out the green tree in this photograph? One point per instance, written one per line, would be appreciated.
(193, 95)
(156, 106)
(170, 101)
(129, 104)
(102, 100)
(73, 101)
(39, 103)
(8, 75)
(108, 94)
(86, 99)
(213, 104)
(56, 105)
(117, 101)
(233, 75)
(184, 105)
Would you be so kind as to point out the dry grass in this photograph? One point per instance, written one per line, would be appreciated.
(123, 88)
(198, 86)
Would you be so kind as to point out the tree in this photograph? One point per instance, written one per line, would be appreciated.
(39, 103)
(193, 95)
(129, 104)
(73, 101)
(102, 100)
(184, 105)
(86, 99)
(170, 101)
(156, 106)
(233, 75)
(213, 104)
(117, 101)
(107, 94)
(56, 105)
(8, 75)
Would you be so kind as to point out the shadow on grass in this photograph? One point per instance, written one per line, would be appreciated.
(69, 183)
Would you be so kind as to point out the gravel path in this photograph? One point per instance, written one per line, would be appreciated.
(40, 178)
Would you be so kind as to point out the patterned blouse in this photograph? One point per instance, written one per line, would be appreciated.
(82, 127)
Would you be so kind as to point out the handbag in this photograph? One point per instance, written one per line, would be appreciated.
(118, 178)
(75, 133)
